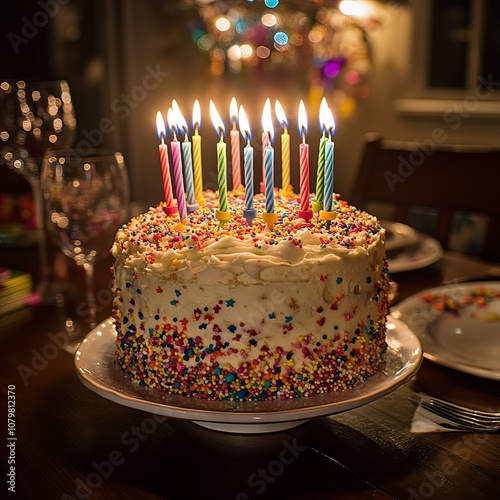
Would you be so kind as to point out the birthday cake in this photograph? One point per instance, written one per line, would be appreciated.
(247, 312)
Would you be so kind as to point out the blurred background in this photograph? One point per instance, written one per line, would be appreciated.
(398, 68)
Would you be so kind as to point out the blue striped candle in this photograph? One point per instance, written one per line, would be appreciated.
(269, 169)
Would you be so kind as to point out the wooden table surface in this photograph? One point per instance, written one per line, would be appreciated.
(72, 443)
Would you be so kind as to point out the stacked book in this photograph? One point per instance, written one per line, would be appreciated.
(16, 292)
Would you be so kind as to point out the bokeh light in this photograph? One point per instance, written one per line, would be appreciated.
(281, 38)
(271, 4)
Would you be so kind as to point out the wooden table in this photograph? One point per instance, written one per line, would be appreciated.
(72, 443)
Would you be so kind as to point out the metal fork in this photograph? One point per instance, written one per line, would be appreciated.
(467, 417)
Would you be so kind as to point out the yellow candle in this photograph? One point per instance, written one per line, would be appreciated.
(197, 165)
(285, 150)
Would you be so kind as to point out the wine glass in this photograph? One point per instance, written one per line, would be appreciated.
(35, 117)
(86, 198)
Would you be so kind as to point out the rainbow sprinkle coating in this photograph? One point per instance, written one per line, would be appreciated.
(247, 313)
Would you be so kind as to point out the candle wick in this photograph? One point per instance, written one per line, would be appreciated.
(303, 135)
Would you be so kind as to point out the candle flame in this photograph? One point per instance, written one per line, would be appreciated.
(196, 114)
(323, 114)
(179, 118)
(216, 119)
(233, 109)
(330, 123)
(267, 120)
(246, 132)
(280, 114)
(171, 120)
(160, 126)
(302, 119)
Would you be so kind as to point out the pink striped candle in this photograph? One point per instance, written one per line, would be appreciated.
(165, 168)
(175, 146)
(235, 147)
(305, 211)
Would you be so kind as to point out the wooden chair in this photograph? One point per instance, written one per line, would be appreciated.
(447, 179)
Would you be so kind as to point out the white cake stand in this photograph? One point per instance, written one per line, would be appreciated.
(94, 361)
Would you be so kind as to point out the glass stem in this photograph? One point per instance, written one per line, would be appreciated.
(43, 250)
(88, 266)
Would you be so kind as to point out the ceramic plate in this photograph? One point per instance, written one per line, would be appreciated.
(427, 252)
(398, 235)
(459, 325)
(94, 361)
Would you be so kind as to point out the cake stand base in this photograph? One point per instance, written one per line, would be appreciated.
(250, 428)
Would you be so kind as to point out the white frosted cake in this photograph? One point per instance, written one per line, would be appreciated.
(243, 312)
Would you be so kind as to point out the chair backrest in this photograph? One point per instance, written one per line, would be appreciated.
(448, 179)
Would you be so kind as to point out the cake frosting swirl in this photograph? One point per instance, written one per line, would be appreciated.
(246, 312)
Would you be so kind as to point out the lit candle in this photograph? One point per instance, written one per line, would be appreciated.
(198, 170)
(320, 175)
(248, 212)
(265, 142)
(305, 212)
(187, 158)
(235, 146)
(222, 214)
(267, 124)
(176, 159)
(170, 208)
(329, 165)
(286, 187)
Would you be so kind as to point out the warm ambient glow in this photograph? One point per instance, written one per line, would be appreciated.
(355, 8)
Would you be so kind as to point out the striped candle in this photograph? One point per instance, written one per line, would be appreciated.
(167, 185)
(221, 174)
(165, 168)
(320, 176)
(304, 176)
(329, 147)
(305, 212)
(265, 142)
(285, 148)
(268, 159)
(269, 168)
(197, 164)
(235, 147)
(188, 171)
(248, 165)
(222, 214)
(248, 212)
(178, 177)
